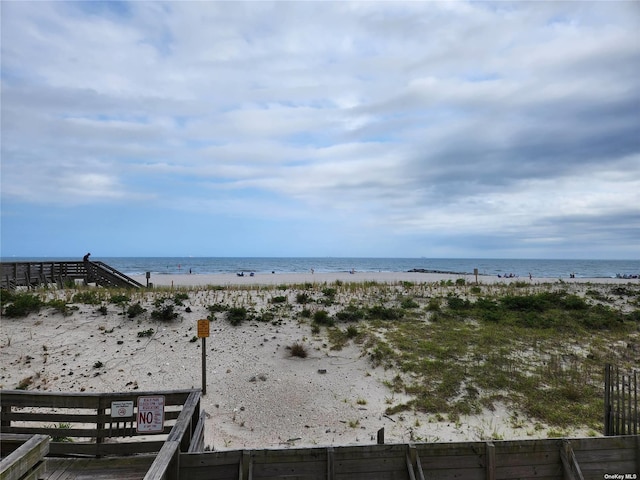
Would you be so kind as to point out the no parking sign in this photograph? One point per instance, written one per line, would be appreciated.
(150, 414)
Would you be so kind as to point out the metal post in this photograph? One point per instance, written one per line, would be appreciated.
(204, 366)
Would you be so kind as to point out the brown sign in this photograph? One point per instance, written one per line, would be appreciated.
(203, 328)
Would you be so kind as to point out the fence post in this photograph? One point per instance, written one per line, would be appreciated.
(490, 463)
(635, 400)
(607, 400)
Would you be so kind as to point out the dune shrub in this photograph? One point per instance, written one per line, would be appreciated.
(22, 304)
(237, 315)
(322, 317)
(384, 313)
(164, 313)
(303, 298)
(350, 314)
(135, 310)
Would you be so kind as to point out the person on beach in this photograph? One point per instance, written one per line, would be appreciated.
(86, 257)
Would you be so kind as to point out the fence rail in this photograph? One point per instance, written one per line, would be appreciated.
(620, 402)
(86, 418)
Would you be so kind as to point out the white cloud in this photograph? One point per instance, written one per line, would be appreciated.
(422, 116)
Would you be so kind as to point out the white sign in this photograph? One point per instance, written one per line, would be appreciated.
(122, 409)
(150, 414)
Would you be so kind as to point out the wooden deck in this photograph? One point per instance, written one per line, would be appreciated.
(123, 468)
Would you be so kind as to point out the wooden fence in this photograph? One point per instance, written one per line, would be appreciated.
(549, 459)
(82, 423)
(620, 402)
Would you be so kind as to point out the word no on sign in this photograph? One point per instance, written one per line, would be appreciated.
(150, 414)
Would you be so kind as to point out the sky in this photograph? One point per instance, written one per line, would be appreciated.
(359, 129)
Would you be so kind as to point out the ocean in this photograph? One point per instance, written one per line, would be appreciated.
(211, 265)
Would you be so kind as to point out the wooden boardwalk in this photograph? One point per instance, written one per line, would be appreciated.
(34, 274)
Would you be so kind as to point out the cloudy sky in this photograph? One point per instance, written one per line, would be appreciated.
(387, 129)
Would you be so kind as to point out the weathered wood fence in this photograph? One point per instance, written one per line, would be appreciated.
(620, 402)
(33, 274)
(549, 459)
(82, 423)
(180, 457)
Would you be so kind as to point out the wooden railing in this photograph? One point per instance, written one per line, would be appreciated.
(107, 276)
(32, 274)
(82, 423)
(23, 456)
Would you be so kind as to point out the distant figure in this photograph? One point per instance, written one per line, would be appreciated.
(530, 276)
(86, 257)
(312, 271)
(189, 271)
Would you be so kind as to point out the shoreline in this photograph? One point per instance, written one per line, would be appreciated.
(231, 279)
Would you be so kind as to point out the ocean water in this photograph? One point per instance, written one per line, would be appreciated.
(494, 267)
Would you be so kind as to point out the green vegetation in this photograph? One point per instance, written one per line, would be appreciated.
(20, 304)
(237, 315)
(518, 349)
(135, 310)
(61, 306)
(145, 333)
(180, 297)
(88, 297)
(164, 313)
(322, 317)
(61, 427)
(119, 298)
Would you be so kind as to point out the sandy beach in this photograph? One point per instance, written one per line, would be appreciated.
(183, 280)
(258, 394)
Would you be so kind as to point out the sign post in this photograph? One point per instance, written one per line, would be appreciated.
(203, 333)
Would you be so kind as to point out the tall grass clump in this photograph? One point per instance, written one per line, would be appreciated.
(88, 297)
(298, 350)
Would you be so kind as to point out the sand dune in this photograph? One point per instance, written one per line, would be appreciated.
(258, 394)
